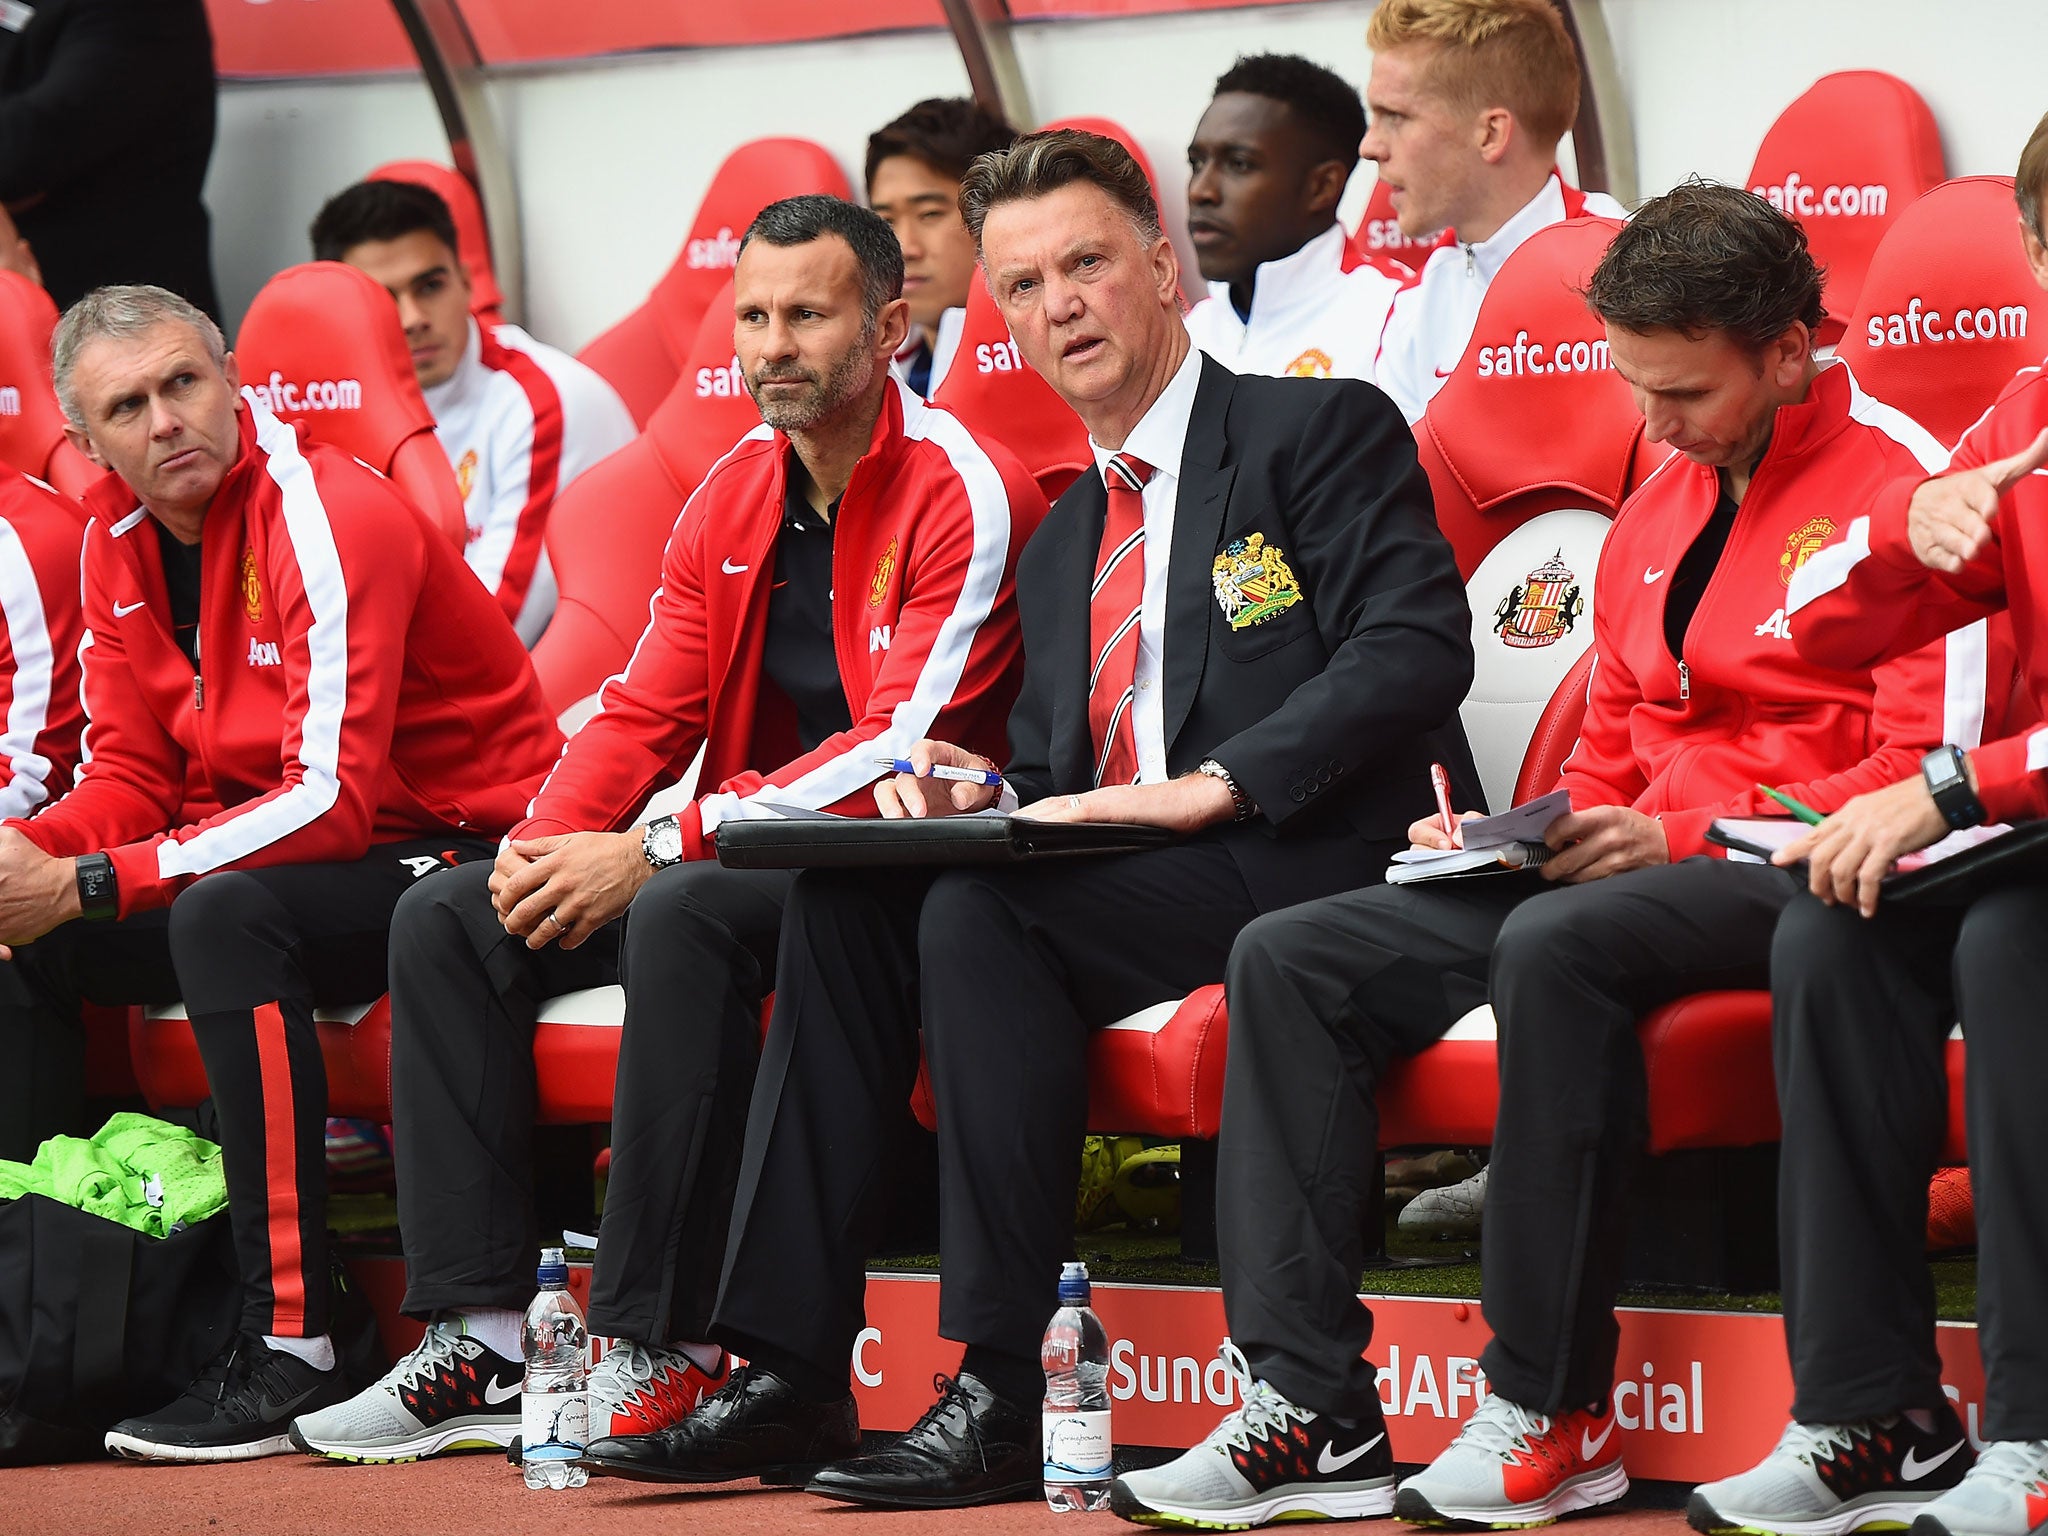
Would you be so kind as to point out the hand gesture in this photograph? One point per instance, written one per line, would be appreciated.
(1949, 520)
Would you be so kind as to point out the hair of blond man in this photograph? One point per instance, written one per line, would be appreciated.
(122, 311)
(2030, 184)
(1491, 53)
(1043, 162)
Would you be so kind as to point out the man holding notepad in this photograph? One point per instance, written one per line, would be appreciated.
(1710, 299)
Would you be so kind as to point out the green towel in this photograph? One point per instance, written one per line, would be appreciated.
(142, 1172)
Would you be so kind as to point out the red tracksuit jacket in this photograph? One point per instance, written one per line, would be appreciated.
(1687, 738)
(1868, 597)
(40, 625)
(924, 552)
(355, 685)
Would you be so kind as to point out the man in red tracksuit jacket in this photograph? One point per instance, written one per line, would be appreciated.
(360, 711)
(1709, 299)
(839, 587)
(40, 626)
(1865, 994)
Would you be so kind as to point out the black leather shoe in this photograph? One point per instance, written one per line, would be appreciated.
(970, 1447)
(753, 1425)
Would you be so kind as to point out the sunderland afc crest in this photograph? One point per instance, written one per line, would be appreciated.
(1802, 546)
(884, 569)
(252, 587)
(1253, 581)
(1543, 609)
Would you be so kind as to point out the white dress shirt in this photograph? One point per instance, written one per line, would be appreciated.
(1158, 439)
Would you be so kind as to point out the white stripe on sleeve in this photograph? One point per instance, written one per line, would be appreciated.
(28, 710)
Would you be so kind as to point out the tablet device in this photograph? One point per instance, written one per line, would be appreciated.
(845, 842)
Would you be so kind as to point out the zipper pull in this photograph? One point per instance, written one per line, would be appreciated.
(1684, 681)
(1471, 263)
(198, 693)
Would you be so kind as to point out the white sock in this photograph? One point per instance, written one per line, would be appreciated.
(318, 1353)
(496, 1328)
(704, 1356)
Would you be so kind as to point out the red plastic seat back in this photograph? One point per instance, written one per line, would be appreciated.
(991, 388)
(611, 525)
(1110, 129)
(1949, 310)
(1378, 238)
(1845, 160)
(1530, 449)
(31, 422)
(322, 347)
(472, 232)
(641, 356)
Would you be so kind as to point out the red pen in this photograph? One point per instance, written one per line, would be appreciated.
(1440, 781)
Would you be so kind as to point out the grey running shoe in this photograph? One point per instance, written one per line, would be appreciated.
(452, 1393)
(2005, 1494)
(1452, 1211)
(1829, 1479)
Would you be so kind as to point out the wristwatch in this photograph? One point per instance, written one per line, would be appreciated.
(1946, 770)
(98, 899)
(662, 842)
(1210, 768)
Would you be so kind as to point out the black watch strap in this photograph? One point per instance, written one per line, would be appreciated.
(1946, 770)
(98, 898)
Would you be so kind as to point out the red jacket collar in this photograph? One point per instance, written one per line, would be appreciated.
(885, 443)
(110, 498)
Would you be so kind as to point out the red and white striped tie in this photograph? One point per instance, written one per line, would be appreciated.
(1114, 605)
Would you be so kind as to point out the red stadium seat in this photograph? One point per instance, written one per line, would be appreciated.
(322, 347)
(1378, 238)
(611, 525)
(31, 422)
(991, 388)
(1110, 129)
(643, 354)
(1846, 159)
(1949, 310)
(472, 233)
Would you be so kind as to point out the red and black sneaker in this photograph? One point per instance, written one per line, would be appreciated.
(637, 1389)
(452, 1393)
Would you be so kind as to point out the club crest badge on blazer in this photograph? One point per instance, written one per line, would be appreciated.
(1254, 582)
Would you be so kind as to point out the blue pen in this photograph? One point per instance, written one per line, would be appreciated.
(941, 771)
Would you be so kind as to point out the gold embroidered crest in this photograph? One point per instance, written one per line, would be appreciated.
(1802, 546)
(1542, 609)
(1312, 364)
(1253, 581)
(252, 587)
(465, 474)
(884, 569)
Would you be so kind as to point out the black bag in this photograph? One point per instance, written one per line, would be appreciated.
(99, 1322)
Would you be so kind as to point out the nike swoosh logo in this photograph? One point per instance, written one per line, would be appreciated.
(1589, 1446)
(494, 1393)
(1326, 1463)
(1912, 1468)
(1650, 575)
(121, 611)
(1445, 373)
(729, 568)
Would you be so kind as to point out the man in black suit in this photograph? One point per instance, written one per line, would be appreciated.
(1245, 628)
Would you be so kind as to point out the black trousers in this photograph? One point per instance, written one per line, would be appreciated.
(696, 953)
(1862, 1011)
(1008, 970)
(1323, 996)
(251, 953)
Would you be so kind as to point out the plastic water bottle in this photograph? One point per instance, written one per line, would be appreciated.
(1076, 1425)
(554, 1409)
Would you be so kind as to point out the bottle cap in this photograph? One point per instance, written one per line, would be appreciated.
(1074, 1290)
(554, 1268)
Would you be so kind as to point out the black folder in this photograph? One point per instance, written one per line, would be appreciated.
(845, 842)
(2001, 857)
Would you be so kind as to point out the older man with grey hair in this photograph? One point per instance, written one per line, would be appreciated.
(271, 630)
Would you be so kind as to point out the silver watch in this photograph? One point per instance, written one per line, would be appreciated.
(1241, 802)
(662, 842)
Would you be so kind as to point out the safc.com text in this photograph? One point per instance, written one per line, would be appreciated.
(281, 394)
(1803, 200)
(1526, 356)
(1916, 325)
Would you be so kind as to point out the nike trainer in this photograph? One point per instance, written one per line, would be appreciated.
(637, 1389)
(240, 1408)
(452, 1393)
(2004, 1494)
(1269, 1460)
(1828, 1479)
(1510, 1468)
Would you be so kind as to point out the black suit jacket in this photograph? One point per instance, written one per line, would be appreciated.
(106, 125)
(1328, 711)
